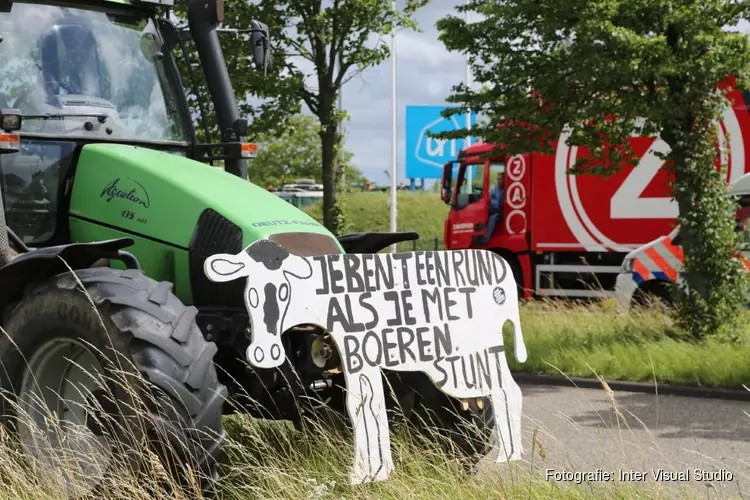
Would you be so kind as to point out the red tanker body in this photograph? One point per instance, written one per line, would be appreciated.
(566, 235)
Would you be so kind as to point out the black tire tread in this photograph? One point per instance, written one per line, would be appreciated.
(168, 349)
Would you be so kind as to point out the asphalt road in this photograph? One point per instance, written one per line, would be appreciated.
(581, 430)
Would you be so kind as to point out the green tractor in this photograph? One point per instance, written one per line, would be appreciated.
(106, 189)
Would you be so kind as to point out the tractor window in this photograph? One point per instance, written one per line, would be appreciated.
(76, 65)
(30, 183)
(470, 184)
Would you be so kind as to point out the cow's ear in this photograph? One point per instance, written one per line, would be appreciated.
(297, 266)
(224, 267)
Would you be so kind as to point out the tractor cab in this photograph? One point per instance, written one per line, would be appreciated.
(91, 72)
(72, 76)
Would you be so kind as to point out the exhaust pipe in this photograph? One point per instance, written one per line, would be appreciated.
(203, 18)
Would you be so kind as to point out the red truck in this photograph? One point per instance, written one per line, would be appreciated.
(567, 235)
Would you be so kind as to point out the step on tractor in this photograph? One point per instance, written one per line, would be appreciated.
(109, 211)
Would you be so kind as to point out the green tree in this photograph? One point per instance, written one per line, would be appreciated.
(278, 95)
(295, 153)
(317, 47)
(603, 70)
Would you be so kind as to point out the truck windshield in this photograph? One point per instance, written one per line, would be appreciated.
(470, 184)
(64, 68)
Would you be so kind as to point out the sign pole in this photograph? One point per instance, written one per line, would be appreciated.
(394, 156)
(467, 140)
(343, 131)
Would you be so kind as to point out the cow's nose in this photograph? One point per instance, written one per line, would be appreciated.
(261, 356)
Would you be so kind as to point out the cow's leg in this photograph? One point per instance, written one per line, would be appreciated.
(500, 411)
(507, 405)
(365, 403)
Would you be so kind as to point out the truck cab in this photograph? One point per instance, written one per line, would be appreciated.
(467, 185)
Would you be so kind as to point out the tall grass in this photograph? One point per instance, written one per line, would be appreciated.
(274, 461)
(590, 337)
(644, 345)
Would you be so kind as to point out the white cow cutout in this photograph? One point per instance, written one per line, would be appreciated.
(439, 312)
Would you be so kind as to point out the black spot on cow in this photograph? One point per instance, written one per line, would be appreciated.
(271, 308)
(268, 253)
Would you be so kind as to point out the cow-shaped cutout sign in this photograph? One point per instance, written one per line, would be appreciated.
(439, 312)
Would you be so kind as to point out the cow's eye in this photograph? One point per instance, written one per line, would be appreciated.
(283, 291)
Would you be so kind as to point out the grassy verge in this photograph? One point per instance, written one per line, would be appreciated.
(422, 212)
(640, 347)
(271, 461)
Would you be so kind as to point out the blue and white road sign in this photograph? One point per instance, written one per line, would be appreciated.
(426, 156)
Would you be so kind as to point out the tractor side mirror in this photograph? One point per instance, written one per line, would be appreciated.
(149, 46)
(261, 45)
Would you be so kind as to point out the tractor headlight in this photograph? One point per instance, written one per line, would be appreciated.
(10, 120)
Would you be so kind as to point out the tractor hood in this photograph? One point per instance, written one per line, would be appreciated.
(161, 196)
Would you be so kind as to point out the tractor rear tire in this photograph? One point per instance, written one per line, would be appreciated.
(160, 385)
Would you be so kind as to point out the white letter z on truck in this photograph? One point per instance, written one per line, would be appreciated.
(440, 313)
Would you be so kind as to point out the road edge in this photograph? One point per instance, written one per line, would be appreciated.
(643, 387)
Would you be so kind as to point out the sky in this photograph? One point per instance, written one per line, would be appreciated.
(425, 73)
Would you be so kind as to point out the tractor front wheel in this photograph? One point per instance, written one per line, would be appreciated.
(88, 378)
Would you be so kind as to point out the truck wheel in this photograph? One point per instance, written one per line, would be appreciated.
(436, 416)
(63, 358)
